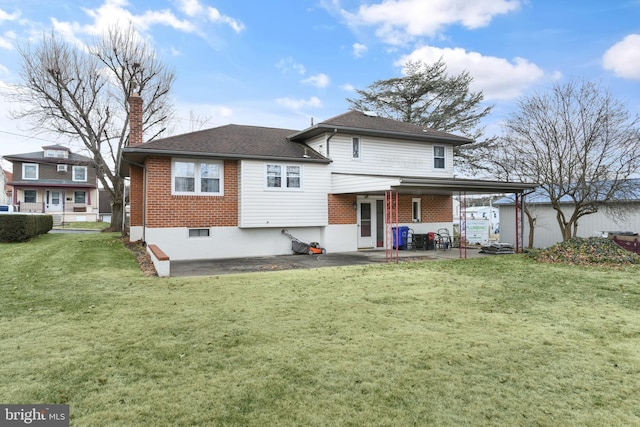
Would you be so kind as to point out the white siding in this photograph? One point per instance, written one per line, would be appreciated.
(386, 157)
(547, 231)
(262, 207)
(360, 183)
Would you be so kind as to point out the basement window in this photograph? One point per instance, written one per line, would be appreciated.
(199, 232)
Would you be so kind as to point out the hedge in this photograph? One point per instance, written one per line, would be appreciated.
(22, 227)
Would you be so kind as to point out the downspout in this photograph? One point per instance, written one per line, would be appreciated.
(329, 139)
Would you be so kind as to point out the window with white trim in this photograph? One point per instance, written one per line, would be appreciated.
(438, 157)
(284, 176)
(416, 209)
(355, 148)
(30, 171)
(79, 174)
(62, 168)
(197, 177)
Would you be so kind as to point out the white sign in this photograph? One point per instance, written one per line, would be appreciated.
(477, 231)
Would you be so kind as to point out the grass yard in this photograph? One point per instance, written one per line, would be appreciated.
(498, 341)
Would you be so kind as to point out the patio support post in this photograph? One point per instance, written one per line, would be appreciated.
(518, 236)
(391, 219)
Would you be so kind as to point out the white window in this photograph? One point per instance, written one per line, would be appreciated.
(355, 148)
(197, 177)
(284, 176)
(62, 168)
(29, 171)
(63, 154)
(79, 173)
(416, 205)
(438, 157)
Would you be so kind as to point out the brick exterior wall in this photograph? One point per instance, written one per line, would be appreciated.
(436, 209)
(341, 209)
(135, 195)
(433, 208)
(167, 210)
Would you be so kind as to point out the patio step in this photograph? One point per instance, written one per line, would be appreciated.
(57, 220)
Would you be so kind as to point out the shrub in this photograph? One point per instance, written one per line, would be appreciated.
(586, 251)
(21, 227)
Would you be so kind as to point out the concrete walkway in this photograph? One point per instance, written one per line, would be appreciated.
(215, 267)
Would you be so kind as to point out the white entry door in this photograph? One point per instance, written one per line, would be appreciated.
(366, 224)
(54, 201)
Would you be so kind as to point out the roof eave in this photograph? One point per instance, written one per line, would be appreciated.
(323, 127)
(469, 185)
(136, 156)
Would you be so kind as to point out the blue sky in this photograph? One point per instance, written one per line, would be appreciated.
(279, 63)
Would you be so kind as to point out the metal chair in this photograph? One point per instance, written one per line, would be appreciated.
(443, 239)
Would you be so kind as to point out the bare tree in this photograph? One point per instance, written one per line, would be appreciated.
(82, 93)
(580, 144)
(429, 97)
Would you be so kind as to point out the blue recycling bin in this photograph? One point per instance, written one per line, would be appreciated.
(400, 237)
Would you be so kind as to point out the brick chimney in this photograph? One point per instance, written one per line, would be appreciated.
(135, 120)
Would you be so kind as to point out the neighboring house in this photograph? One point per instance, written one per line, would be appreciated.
(546, 228)
(231, 190)
(55, 181)
(5, 188)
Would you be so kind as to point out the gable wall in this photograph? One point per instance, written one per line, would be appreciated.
(384, 156)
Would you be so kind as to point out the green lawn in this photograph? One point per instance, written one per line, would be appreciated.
(497, 341)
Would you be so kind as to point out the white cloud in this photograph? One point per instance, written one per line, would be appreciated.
(359, 49)
(216, 16)
(288, 64)
(299, 104)
(497, 78)
(347, 87)
(116, 12)
(398, 21)
(7, 40)
(113, 12)
(190, 7)
(5, 16)
(623, 57)
(319, 80)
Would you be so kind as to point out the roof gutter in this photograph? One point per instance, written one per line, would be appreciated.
(150, 151)
(453, 139)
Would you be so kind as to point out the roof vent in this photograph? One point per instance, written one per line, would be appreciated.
(370, 113)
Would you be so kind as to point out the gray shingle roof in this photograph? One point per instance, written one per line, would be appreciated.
(39, 157)
(232, 141)
(371, 124)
